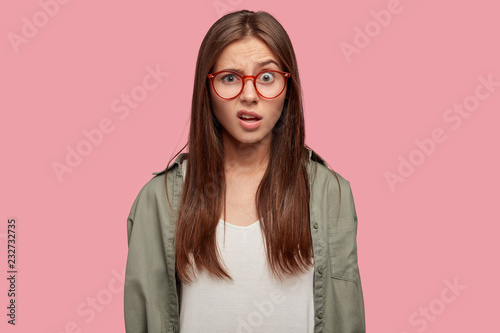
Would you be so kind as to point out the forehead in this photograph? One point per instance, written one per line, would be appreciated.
(245, 54)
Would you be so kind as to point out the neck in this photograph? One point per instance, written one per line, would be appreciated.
(246, 158)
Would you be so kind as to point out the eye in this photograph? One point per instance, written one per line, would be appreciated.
(266, 77)
(229, 78)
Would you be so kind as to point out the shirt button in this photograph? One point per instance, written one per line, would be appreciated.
(320, 270)
(320, 314)
(315, 225)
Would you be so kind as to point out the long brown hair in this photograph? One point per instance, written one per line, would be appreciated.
(282, 198)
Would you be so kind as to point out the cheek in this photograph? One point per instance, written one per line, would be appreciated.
(277, 111)
(214, 103)
(221, 110)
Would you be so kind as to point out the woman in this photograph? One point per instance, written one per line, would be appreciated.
(250, 231)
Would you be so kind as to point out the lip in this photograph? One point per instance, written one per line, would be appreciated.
(248, 113)
(249, 125)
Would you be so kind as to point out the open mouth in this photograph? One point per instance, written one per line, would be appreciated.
(249, 118)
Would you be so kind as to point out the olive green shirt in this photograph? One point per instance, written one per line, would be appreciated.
(151, 297)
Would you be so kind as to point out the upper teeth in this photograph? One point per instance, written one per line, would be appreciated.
(247, 116)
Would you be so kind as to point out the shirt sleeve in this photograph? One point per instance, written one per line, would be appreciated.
(348, 310)
(146, 284)
(360, 299)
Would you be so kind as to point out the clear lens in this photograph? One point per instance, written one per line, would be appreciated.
(268, 84)
(227, 84)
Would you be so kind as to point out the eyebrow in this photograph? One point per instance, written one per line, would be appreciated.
(259, 65)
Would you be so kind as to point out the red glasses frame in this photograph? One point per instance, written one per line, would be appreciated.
(244, 78)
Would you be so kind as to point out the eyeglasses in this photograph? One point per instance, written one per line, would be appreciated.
(268, 84)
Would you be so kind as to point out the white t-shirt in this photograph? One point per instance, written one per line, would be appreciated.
(254, 301)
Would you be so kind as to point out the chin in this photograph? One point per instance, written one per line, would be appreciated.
(246, 137)
(248, 140)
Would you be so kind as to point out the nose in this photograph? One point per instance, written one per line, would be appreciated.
(249, 93)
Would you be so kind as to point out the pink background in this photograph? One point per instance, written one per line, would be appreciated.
(363, 112)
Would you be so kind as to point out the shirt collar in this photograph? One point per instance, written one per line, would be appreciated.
(178, 161)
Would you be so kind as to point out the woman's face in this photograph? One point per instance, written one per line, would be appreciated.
(248, 56)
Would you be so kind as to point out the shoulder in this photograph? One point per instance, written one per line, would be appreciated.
(329, 188)
(324, 175)
(153, 193)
